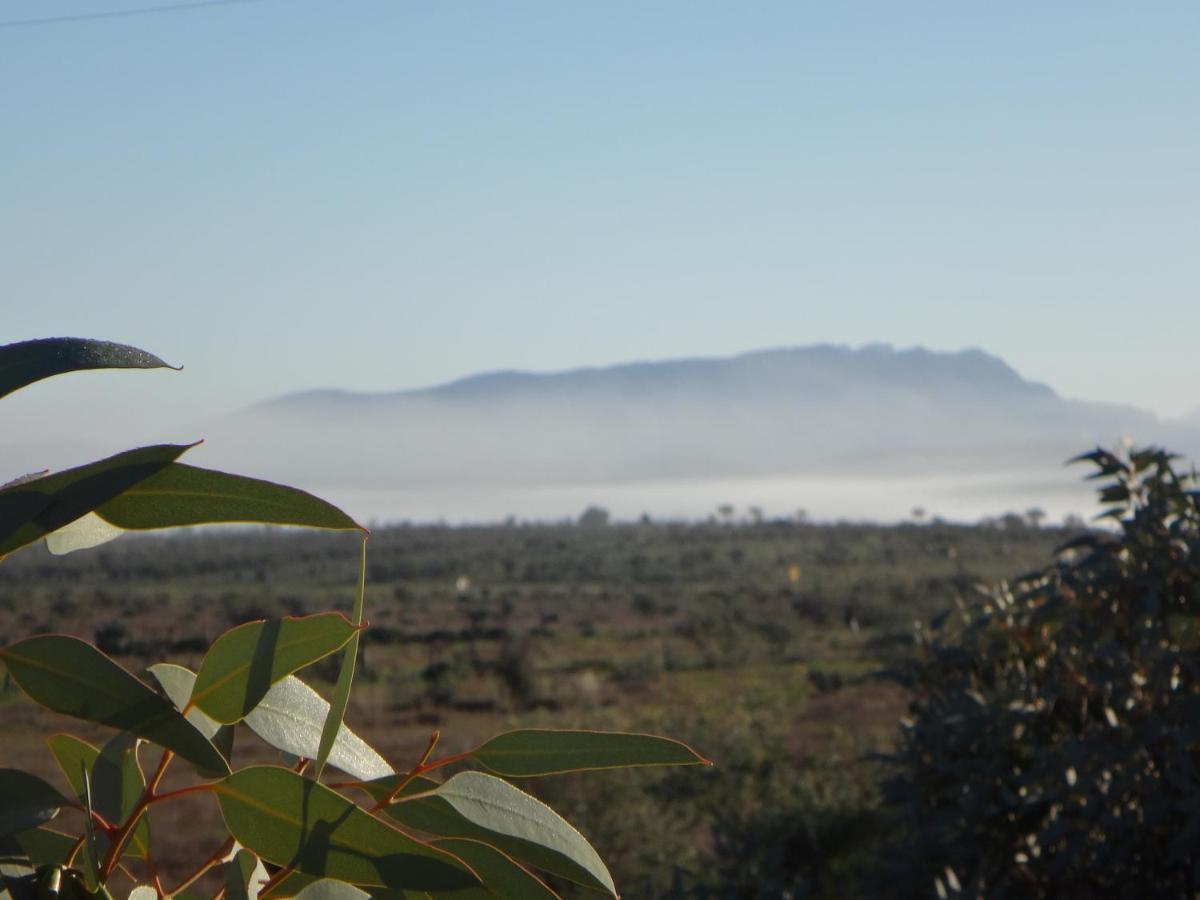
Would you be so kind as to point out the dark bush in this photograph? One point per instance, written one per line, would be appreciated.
(1053, 748)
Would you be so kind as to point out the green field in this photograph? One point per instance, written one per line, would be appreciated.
(765, 646)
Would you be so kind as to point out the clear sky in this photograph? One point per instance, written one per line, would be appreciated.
(284, 194)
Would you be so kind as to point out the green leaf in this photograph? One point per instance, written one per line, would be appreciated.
(290, 719)
(245, 661)
(341, 690)
(46, 847)
(74, 756)
(116, 781)
(531, 752)
(289, 820)
(24, 363)
(502, 876)
(33, 509)
(72, 677)
(328, 889)
(117, 786)
(186, 495)
(176, 682)
(26, 801)
(143, 892)
(481, 807)
(245, 876)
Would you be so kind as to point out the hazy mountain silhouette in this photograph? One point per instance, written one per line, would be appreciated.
(807, 410)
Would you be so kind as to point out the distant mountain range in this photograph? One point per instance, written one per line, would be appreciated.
(806, 411)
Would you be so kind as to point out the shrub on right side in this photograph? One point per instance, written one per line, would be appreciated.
(1053, 745)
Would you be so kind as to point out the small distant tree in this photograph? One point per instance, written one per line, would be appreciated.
(594, 517)
(1035, 516)
(725, 511)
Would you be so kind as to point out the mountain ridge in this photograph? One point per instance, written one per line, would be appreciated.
(822, 410)
(870, 358)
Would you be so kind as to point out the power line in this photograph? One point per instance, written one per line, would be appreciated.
(120, 13)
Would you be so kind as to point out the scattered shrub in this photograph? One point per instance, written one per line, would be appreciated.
(1053, 748)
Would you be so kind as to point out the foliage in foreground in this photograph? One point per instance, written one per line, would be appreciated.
(378, 832)
(1054, 746)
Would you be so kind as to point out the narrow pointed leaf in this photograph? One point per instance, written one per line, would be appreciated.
(292, 821)
(186, 495)
(24, 363)
(34, 509)
(530, 752)
(484, 808)
(245, 661)
(290, 718)
(90, 851)
(72, 677)
(501, 875)
(341, 690)
(26, 801)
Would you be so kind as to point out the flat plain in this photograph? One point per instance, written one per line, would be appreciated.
(771, 647)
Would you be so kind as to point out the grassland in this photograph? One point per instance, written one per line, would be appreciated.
(764, 645)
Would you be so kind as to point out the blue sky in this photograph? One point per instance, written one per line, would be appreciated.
(284, 194)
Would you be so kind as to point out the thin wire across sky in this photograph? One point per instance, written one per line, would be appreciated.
(120, 13)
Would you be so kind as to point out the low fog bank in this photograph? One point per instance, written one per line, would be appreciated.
(966, 499)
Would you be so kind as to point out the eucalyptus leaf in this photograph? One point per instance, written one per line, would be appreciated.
(33, 509)
(45, 846)
(72, 677)
(328, 889)
(289, 820)
(177, 682)
(117, 786)
(345, 679)
(290, 718)
(245, 661)
(23, 363)
(26, 801)
(84, 533)
(116, 780)
(74, 756)
(181, 495)
(502, 876)
(245, 876)
(482, 807)
(535, 751)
